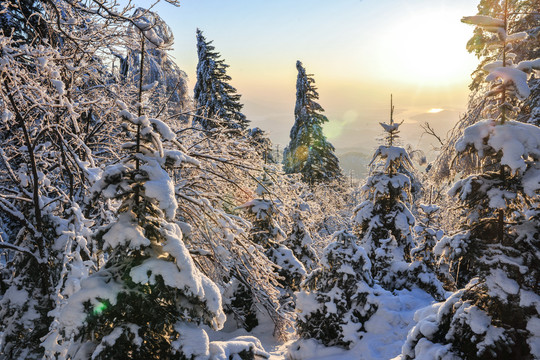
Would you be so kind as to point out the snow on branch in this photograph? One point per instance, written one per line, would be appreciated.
(510, 75)
(482, 20)
(20, 249)
(517, 141)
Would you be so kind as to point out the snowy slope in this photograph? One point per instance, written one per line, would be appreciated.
(386, 332)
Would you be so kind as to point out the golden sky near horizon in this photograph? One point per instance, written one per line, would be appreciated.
(360, 52)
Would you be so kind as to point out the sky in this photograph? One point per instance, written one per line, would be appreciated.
(359, 51)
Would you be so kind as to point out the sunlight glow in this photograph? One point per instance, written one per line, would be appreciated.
(426, 47)
(435, 110)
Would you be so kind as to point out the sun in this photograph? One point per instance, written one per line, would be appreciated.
(428, 47)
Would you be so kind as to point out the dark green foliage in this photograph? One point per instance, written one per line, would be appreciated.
(218, 104)
(309, 153)
(243, 307)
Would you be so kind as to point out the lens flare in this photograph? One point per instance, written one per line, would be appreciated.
(301, 153)
(99, 308)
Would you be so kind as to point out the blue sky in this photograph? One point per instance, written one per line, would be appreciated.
(359, 52)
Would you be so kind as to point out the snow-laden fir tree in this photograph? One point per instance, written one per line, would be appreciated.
(383, 222)
(299, 238)
(337, 298)
(218, 104)
(149, 299)
(309, 152)
(497, 251)
(523, 24)
(427, 235)
(265, 213)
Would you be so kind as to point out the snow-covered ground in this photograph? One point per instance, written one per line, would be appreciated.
(386, 332)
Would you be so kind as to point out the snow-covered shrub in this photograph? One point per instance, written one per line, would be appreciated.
(52, 127)
(239, 348)
(337, 298)
(266, 232)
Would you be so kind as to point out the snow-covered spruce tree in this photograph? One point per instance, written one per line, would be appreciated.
(383, 222)
(218, 104)
(428, 233)
(266, 232)
(309, 153)
(299, 238)
(149, 299)
(337, 298)
(495, 316)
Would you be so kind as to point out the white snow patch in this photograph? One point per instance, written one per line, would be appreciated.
(510, 75)
(533, 326)
(192, 341)
(160, 187)
(125, 231)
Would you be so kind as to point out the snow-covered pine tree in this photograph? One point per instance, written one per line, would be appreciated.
(218, 104)
(337, 298)
(495, 316)
(299, 238)
(309, 152)
(149, 299)
(383, 222)
(266, 232)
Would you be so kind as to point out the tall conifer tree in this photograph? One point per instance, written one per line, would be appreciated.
(309, 153)
(217, 101)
